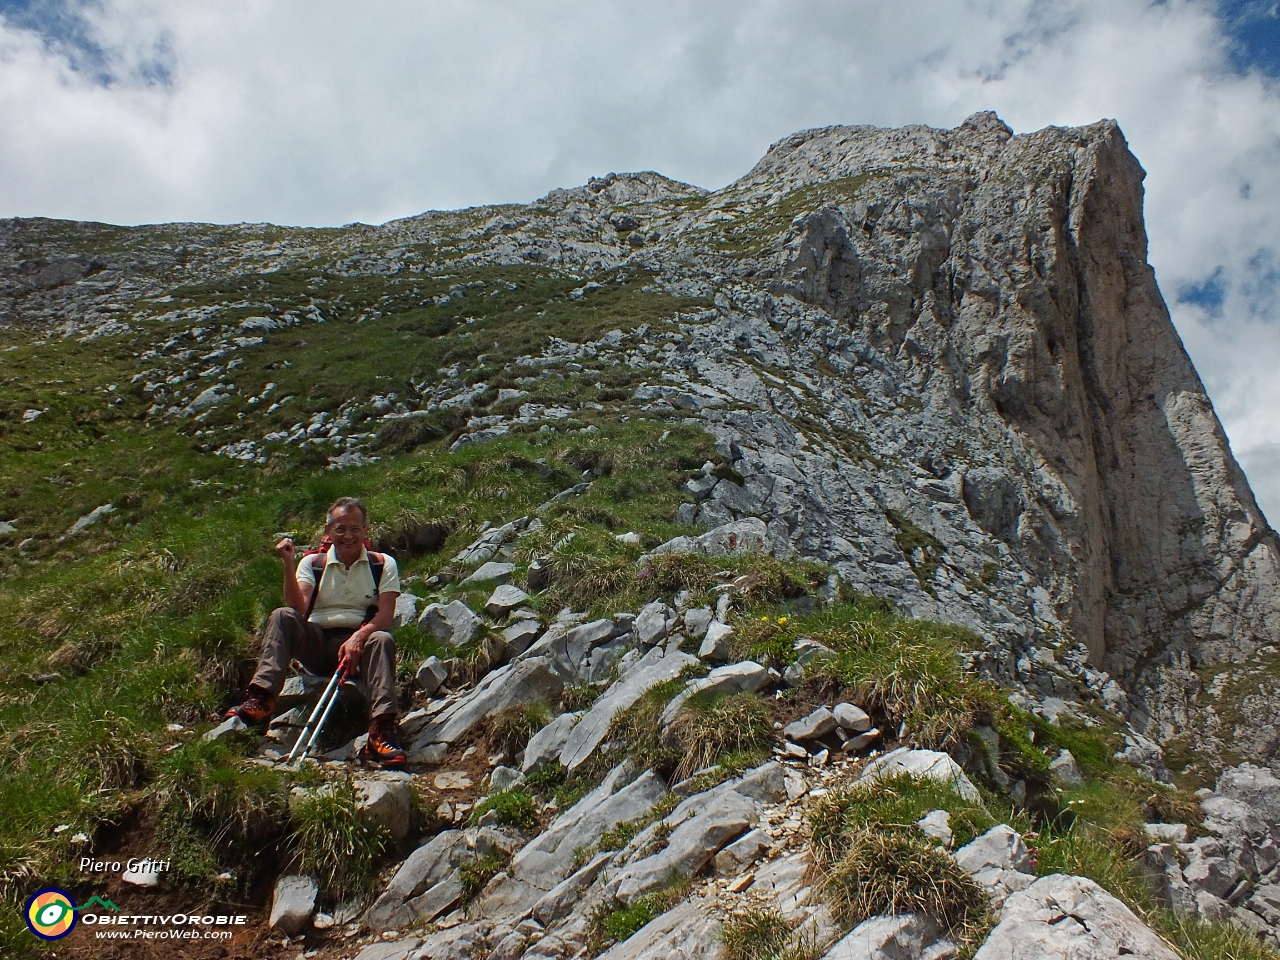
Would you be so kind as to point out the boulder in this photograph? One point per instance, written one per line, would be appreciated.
(655, 667)
(652, 623)
(715, 645)
(849, 717)
(521, 635)
(406, 610)
(1256, 786)
(431, 675)
(232, 726)
(998, 861)
(922, 763)
(504, 599)
(937, 824)
(744, 851)
(690, 847)
(739, 536)
(1070, 917)
(1064, 768)
(386, 803)
(451, 623)
(491, 571)
(813, 727)
(696, 621)
(293, 903)
(503, 778)
(544, 862)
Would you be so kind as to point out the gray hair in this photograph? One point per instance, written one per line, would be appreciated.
(347, 503)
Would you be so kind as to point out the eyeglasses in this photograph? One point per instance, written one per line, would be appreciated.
(342, 530)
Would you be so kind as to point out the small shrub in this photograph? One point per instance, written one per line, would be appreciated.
(889, 804)
(900, 871)
(511, 729)
(755, 935)
(331, 843)
(474, 874)
(514, 808)
(704, 733)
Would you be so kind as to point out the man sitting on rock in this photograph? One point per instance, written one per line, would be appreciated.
(346, 618)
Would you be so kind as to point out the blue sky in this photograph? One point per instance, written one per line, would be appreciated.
(327, 112)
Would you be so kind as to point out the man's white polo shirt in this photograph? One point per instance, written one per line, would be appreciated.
(347, 592)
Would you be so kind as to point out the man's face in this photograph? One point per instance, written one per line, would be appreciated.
(347, 527)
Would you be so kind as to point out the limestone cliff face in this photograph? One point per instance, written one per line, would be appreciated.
(1007, 275)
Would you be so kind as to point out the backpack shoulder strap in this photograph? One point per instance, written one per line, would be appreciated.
(318, 560)
(377, 562)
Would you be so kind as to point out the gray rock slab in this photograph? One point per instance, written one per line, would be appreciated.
(293, 903)
(545, 745)
(745, 677)
(491, 571)
(813, 727)
(900, 937)
(655, 667)
(850, 717)
(743, 852)
(937, 824)
(561, 899)
(431, 675)
(998, 861)
(232, 726)
(696, 621)
(386, 803)
(424, 868)
(546, 860)
(1070, 917)
(922, 763)
(521, 635)
(395, 950)
(452, 623)
(652, 623)
(1254, 785)
(569, 649)
(436, 899)
(1065, 768)
(1167, 832)
(504, 599)
(715, 644)
(515, 685)
(740, 536)
(690, 847)
(406, 610)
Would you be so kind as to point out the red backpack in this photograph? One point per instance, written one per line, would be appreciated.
(377, 563)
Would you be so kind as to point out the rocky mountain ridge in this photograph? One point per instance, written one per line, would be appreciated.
(956, 329)
(934, 368)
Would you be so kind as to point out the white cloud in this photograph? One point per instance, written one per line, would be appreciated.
(323, 113)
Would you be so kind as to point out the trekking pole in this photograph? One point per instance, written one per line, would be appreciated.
(323, 706)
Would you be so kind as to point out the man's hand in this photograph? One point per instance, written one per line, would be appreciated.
(285, 550)
(351, 651)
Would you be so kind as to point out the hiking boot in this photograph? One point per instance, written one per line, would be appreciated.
(256, 710)
(383, 747)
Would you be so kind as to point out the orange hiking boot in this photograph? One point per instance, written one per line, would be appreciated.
(257, 708)
(383, 747)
